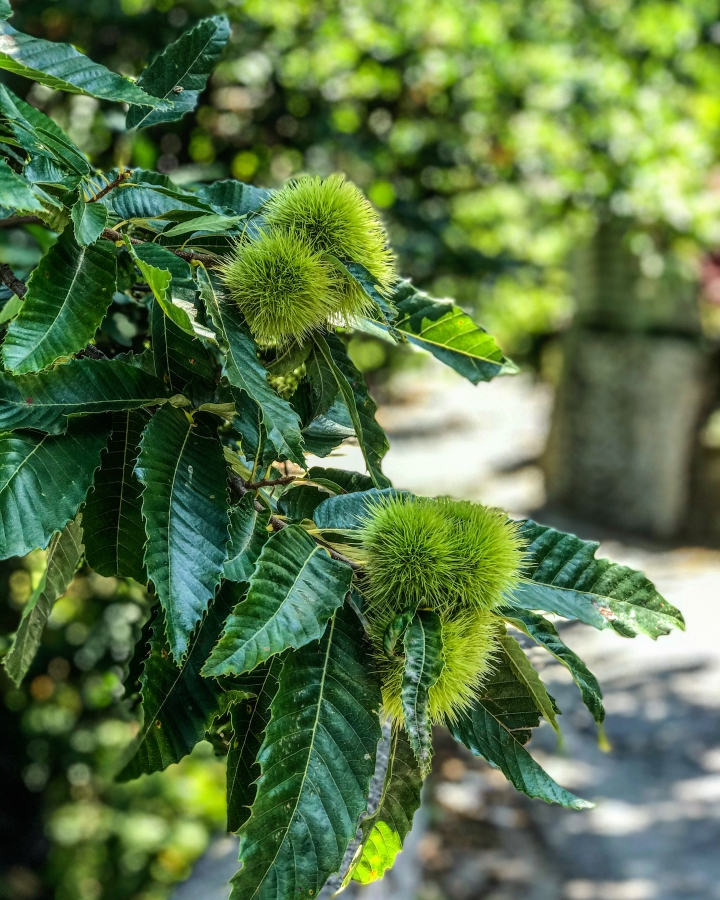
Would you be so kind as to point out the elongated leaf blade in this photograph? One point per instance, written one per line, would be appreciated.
(185, 507)
(178, 705)
(179, 358)
(524, 672)
(15, 192)
(159, 281)
(384, 832)
(294, 590)
(360, 405)
(351, 510)
(244, 371)
(314, 786)
(248, 535)
(68, 295)
(448, 333)
(64, 68)
(185, 64)
(249, 719)
(89, 221)
(545, 634)
(498, 725)
(233, 197)
(80, 387)
(563, 576)
(114, 531)
(64, 555)
(43, 481)
(424, 663)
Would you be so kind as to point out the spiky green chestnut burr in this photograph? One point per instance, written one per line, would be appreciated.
(283, 287)
(469, 644)
(439, 554)
(334, 217)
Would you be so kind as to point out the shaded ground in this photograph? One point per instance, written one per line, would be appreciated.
(655, 831)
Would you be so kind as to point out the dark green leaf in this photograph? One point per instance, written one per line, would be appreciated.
(185, 64)
(68, 295)
(327, 432)
(301, 500)
(64, 555)
(360, 405)
(114, 532)
(545, 634)
(81, 386)
(64, 68)
(234, 197)
(349, 510)
(248, 534)
(358, 273)
(524, 672)
(178, 705)
(160, 280)
(384, 832)
(315, 782)
(348, 481)
(563, 576)
(448, 333)
(38, 134)
(424, 663)
(43, 481)
(15, 192)
(294, 590)
(179, 358)
(323, 383)
(249, 719)
(497, 726)
(89, 221)
(185, 507)
(244, 371)
(5, 9)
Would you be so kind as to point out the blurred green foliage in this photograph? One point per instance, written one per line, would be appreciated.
(490, 132)
(91, 839)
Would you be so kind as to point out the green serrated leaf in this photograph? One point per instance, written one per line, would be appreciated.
(179, 358)
(67, 297)
(178, 705)
(327, 432)
(89, 221)
(384, 832)
(185, 64)
(448, 333)
(64, 555)
(323, 383)
(63, 68)
(309, 794)
(5, 9)
(563, 576)
(185, 507)
(348, 481)
(370, 285)
(545, 634)
(360, 405)
(212, 223)
(233, 197)
(301, 500)
(524, 672)
(43, 481)
(114, 532)
(424, 662)
(15, 192)
(294, 590)
(350, 510)
(248, 534)
(497, 726)
(38, 134)
(79, 387)
(159, 282)
(244, 371)
(249, 719)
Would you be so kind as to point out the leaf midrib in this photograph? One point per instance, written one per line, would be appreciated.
(321, 692)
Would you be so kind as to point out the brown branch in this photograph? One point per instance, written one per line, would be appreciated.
(268, 482)
(122, 175)
(241, 488)
(17, 221)
(9, 278)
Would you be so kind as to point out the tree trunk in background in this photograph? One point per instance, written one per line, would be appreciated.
(632, 392)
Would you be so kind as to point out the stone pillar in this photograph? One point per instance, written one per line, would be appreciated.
(632, 392)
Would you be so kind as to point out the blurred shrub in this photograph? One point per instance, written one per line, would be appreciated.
(95, 840)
